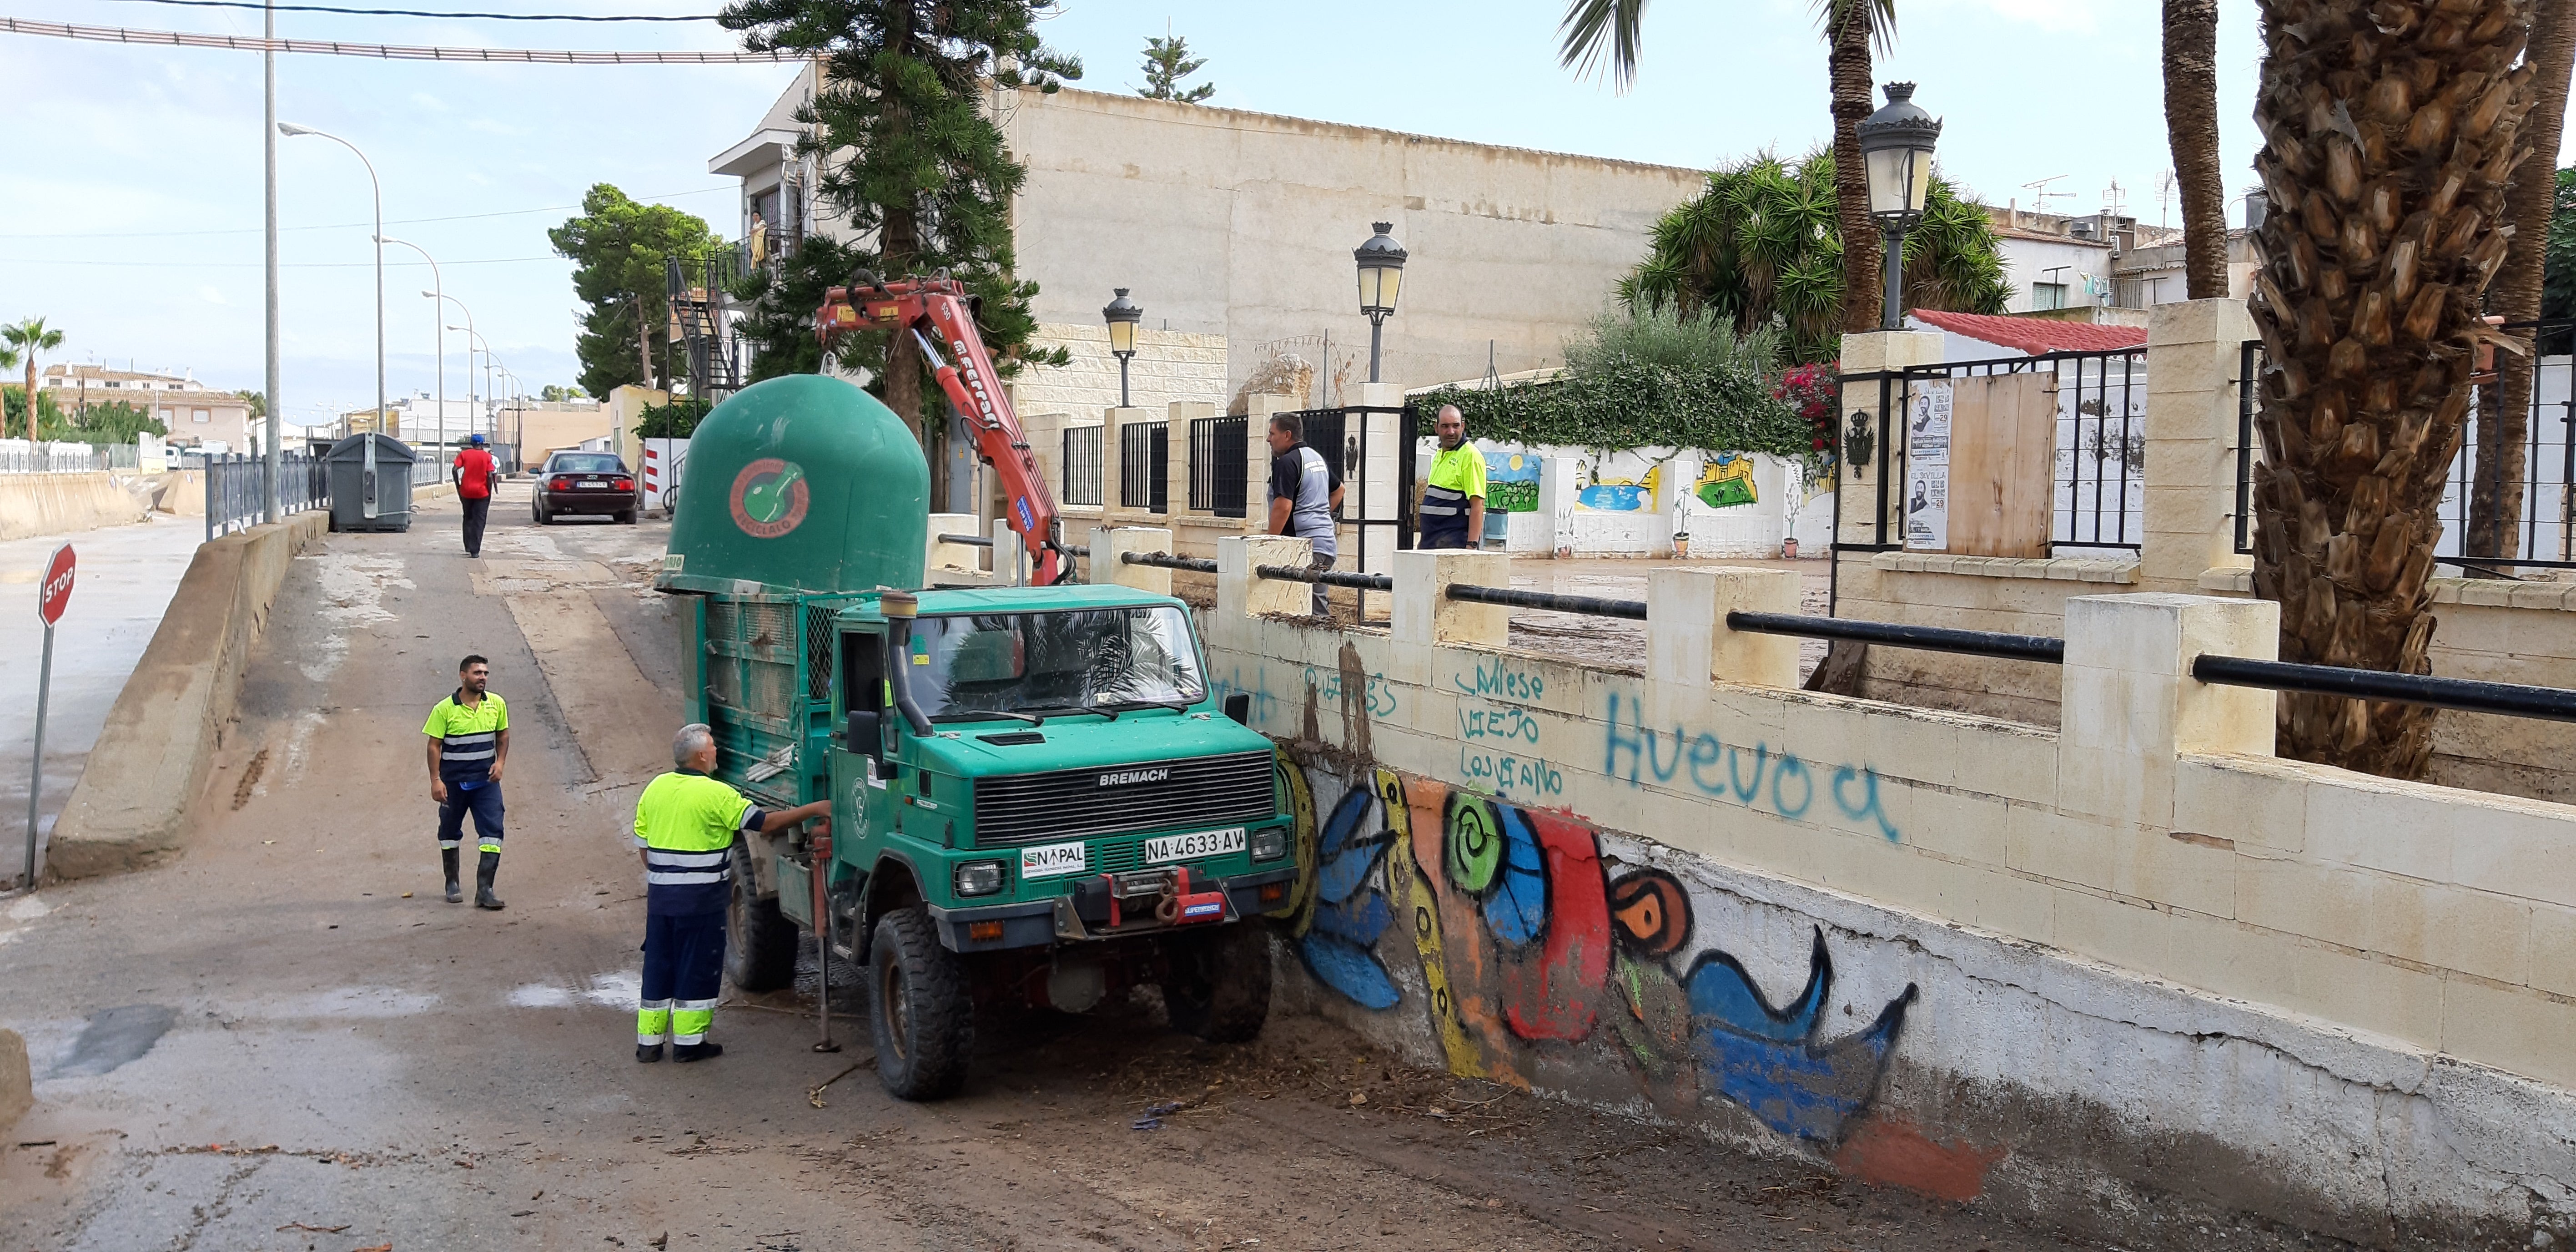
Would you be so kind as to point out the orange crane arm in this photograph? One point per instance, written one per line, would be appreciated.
(938, 312)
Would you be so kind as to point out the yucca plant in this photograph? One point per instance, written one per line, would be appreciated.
(2391, 129)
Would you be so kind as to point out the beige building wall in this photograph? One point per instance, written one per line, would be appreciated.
(546, 427)
(1168, 366)
(1227, 222)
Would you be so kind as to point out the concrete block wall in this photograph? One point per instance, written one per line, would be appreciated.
(1168, 366)
(2133, 969)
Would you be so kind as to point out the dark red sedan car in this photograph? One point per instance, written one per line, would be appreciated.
(585, 483)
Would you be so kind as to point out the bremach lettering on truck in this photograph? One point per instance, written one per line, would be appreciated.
(1035, 794)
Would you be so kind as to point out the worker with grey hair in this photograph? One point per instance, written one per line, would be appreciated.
(685, 825)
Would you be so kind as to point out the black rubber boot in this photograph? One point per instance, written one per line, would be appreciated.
(648, 1052)
(483, 897)
(455, 889)
(686, 1052)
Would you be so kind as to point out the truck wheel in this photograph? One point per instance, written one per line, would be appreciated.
(919, 1008)
(1219, 985)
(760, 952)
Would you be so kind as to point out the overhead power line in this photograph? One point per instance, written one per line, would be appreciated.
(252, 265)
(490, 17)
(392, 52)
(397, 221)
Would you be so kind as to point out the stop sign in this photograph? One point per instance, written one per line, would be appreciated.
(56, 593)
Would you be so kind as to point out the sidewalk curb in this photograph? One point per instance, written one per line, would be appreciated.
(132, 802)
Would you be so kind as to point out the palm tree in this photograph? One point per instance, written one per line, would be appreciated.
(2495, 498)
(27, 339)
(1764, 242)
(2191, 130)
(1600, 33)
(2390, 130)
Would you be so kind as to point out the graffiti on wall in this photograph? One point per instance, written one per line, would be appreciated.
(1526, 937)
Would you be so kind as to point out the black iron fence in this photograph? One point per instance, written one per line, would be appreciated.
(2542, 531)
(1144, 467)
(1081, 464)
(234, 496)
(2097, 479)
(1219, 469)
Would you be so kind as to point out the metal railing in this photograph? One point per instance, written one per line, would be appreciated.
(1144, 467)
(1082, 465)
(2544, 531)
(1219, 468)
(972, 541)
(233, 489)
(2097, 486)
(427, 472)
(17, 456)
(1549, 601)
(1924, 638)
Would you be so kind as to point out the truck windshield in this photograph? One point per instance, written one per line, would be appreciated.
(1100, 660)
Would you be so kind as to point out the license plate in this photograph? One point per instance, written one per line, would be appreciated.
(1193, 846)
(1053, 861)
(593, 482)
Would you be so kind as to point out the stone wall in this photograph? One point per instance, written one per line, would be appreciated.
(2129, 972)
(1168, 366)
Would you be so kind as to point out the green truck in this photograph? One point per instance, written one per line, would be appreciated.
(1036, 797)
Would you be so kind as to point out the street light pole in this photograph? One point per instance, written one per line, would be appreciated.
(439, 288)
(1896, 154)
(378, 187)
(1381, 262)
(468, 328)
(269, 462)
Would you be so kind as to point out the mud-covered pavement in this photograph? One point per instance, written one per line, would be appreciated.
(285, 1039)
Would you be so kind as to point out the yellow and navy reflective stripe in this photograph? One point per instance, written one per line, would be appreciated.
(478, 746)
(1443, 502)
(652, 1021)
(690, 1020)
(664, 868)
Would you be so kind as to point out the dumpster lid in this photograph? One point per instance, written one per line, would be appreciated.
(388, 448)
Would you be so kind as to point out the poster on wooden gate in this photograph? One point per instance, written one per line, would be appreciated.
(1927, 468)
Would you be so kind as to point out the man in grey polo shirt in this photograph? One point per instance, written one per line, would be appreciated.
(1305, 493)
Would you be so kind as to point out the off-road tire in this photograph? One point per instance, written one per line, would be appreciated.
(1218, 987)
(920, 1009)
(760, 947)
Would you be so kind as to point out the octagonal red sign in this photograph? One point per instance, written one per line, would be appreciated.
(55, 594)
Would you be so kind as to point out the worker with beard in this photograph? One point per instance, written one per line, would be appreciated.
(1453, 495)
(469, 743)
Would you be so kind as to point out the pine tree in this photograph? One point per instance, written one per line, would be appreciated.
(1167, 62)
(911, 160)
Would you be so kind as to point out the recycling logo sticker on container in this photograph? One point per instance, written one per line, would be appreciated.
(769, 498)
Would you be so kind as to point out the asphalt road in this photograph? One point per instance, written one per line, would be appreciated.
(125, 576)
(285, 1039)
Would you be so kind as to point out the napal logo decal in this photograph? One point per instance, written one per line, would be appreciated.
(769, 497)
(1125, 778)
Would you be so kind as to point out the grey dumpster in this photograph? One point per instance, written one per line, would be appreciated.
(370, 483)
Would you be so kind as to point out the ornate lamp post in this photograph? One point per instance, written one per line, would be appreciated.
(1896, 147)
(1122, 315)
(1381, 262)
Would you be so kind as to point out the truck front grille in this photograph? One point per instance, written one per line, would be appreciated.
(1075, 803)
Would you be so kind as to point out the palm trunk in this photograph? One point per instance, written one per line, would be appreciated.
(31, 399)
(1847, 63)
(2390, 129)
(2191, 129)
(2496, 505)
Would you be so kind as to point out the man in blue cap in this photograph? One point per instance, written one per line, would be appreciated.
(473, 474)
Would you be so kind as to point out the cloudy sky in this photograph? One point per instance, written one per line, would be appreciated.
(131, 210)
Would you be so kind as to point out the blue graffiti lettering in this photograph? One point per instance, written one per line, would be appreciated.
(1496, 723)
(1263, 703)
(1505, 774)
(1792, 767)
(1495, 677)
(1704, 751)
(1377, 695)
(1868, 806)
(1745, 791)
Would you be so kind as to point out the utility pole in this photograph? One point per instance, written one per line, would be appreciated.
(269, 453)
(643, 340)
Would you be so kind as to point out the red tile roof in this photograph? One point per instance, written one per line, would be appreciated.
(2035, 335)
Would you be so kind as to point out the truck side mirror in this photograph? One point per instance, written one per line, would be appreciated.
(1239, 707)
(862, 735)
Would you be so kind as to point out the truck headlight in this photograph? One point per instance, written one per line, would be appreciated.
(979, 878)
(1270, 843)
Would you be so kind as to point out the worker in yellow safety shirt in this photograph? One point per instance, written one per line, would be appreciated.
(469, 746)
(1453, 497)
(685, 823)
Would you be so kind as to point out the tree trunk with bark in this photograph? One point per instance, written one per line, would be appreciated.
(1849, 29)
(2191, 130)
(2390, 132)
(2504, 426)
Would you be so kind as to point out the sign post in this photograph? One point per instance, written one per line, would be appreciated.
(52, 597)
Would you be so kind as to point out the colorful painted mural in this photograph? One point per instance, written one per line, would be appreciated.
(1615, 495)
(1726, 480)
(1511, 482)
(1527, 937)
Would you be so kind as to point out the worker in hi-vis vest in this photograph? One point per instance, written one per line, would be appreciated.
(469, 743)
(685, 823)
(1453, 496)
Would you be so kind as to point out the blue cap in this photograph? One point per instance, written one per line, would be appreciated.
(474, 439)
